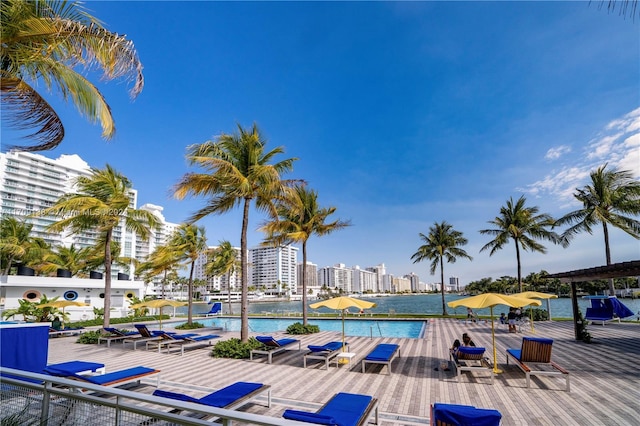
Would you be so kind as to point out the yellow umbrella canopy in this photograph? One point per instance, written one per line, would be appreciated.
(343, 303)
(158, 304)
(489, 300)
(61, 304)
(537, 295)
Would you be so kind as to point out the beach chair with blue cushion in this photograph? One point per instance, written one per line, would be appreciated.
(216, 309)
(115, 378)
(470, 358)
(534, 359)
(272, 346)
(325, 352)
(113, 334)
(383, 354)
(172, 340)
(344, 409)
(77, 367)
(231, 397)
(463, 415)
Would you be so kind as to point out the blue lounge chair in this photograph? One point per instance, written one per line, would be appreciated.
(383, 354)
(109, 379)
(230, 397)
(325, 352)
(470, 358)
(113, 334)
(216, 309)
(77, 367)
(534, 359)
(170, 340)
(272, 346)
(344, 409)
(463, 415)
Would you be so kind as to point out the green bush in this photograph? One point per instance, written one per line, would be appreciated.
(538, 314)
(187, 326)
(234, 348)
(90, 337)
(98, 322)
(299, 328)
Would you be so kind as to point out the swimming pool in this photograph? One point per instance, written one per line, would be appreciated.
(366, 328)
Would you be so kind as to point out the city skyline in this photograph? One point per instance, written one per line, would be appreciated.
(402, 114)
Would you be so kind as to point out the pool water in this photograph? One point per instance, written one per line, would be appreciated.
(366, 328)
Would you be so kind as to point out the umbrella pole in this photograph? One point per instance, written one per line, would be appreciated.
(531, 318)
(496, 370)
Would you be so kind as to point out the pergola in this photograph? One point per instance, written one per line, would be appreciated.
(616, 270)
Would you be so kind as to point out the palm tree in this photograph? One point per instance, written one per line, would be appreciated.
(442, 242)
(241, 172)
(612, 199)
(162, 260)
(47, 42)
(15, 241)
(102, 203)
(223, 261)
(188, 242)
(524, 226)
(298, 218)
(71, 258)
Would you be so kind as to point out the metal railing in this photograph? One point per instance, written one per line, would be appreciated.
(36, 399)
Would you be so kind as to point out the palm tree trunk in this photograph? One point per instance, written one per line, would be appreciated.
(605, 231)
(229, 290)
(519, 266)
(444, 305)
(244, 297)
(107, 279)
(304, 283)
(190, 294)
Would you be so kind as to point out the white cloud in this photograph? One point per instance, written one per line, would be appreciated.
(618, 145)
(557, 152)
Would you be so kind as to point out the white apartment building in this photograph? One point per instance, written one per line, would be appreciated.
(400, 284)
(217, 284)
(272, 270)
(380, 271)
(454, 284)
(311, 278)
(415, 281)
(364, 280)
(337, 277)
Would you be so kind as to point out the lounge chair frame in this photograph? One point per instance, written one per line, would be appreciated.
(167, 341)
(537, 352)
(273, 351)
(118, 378)
(470, 362)
(244, 399)
(387, 362)
(325, 356)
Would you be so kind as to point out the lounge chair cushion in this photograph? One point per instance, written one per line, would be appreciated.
(470, 353)
(115, 376)
(382, 352)
(270, 341)
(304, 416)
(466, 415)
(64, 368)
(174, 395)
(231, 393)
(331, 346)
(346, 408)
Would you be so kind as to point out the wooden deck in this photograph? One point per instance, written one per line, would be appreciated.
(605, 375)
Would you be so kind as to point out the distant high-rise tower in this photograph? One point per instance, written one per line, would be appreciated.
(454, 284)
(273, 269)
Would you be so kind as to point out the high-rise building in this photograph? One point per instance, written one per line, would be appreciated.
(311, 278)
(218, 283)
(380, 271)
(415, 281)
(272, 270)
(454, 284)
(364, 281)
(337, 277)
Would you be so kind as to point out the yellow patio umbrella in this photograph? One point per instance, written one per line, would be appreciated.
(489, 300)
(343, 303)
(158, 304)
(61, 304)
(536, 295)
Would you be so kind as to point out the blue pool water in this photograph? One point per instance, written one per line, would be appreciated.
(367, 328)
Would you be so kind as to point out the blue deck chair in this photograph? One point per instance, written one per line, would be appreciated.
(463, 415)
(216, 309)
(325, 352)
(111, 379)
(383, 354)
(230, 397)
(169, 340)
(272, 346)
(113, 334)
(344, 409)
(534, 359)
(76, 367)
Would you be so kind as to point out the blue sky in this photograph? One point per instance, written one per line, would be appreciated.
(401, 114)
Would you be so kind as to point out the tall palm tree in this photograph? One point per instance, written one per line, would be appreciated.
(47, 42)
(188, 242)
(223, 262)
(524, 226)
(298, 218)
(71, 258)
(240, 172)
(162, 260)
(442, 242)
(15, 241)
(612, 199)
(102, 203)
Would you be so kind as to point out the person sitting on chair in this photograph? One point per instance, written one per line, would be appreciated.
(512, 321)
(503, 318)
(466, 340)
(56, 324)
(471, 315)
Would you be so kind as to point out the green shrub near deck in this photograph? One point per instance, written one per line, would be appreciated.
(234, 348)
(299, 328)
